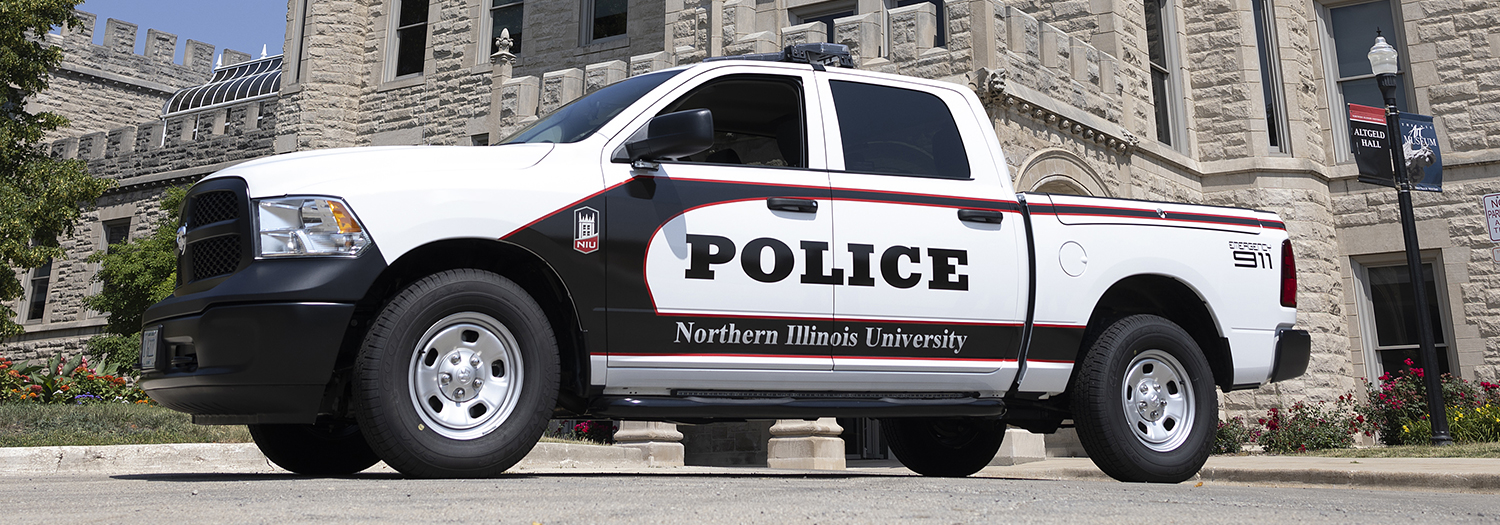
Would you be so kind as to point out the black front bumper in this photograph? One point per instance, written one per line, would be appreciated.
(260, 346)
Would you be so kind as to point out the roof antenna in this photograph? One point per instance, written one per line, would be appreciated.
(263, 50)
(220, 62)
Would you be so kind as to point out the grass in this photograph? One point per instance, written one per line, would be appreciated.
(1464, 450)
(32, 425)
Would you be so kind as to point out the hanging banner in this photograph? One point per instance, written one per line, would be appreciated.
(1368, 141)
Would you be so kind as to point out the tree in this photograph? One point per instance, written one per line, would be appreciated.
(136, 274)
(41, 198)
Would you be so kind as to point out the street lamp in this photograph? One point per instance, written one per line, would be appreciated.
(1383, 62)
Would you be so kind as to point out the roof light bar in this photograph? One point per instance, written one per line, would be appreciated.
(818, 54)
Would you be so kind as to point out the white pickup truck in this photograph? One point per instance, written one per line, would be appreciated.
(737, 239)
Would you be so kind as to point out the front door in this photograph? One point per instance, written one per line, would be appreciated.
(714, 259)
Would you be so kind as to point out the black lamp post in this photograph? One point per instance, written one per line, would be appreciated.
(1383, 62)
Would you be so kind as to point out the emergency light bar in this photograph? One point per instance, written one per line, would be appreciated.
(818, 54)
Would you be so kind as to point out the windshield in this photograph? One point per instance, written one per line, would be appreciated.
(581, 118)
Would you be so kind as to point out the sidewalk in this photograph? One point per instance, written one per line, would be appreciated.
(1430, 474)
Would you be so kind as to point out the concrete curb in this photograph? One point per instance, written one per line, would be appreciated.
(1356, 478)
(246, 458)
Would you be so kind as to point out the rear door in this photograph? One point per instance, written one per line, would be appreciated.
(929, 236)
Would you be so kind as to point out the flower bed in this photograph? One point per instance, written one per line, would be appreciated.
(73, 382)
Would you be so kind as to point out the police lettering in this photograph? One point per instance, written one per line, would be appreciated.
(707, 251)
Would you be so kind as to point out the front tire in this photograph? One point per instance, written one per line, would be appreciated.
(1144, 402)
(944, 447)
(323, 449)
(457, 376)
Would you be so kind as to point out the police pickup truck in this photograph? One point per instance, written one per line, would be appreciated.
(771, 237)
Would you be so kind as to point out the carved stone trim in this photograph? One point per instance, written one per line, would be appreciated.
(991, 86)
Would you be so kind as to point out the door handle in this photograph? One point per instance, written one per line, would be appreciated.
(984, 216)
(797, 205)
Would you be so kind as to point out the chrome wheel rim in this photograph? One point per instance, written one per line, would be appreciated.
(1158, 400)
(465, 375)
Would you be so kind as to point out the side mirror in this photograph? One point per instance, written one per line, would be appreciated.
(673, 135)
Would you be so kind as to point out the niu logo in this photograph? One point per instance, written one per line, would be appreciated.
(586, 230)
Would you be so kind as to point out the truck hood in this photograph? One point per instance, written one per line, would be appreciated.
(333, 171)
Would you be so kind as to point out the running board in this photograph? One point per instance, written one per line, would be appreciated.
(709, 408)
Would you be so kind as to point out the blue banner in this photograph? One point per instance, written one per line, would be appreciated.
(1424, 161)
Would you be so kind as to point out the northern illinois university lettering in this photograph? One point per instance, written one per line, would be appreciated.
(708, 251)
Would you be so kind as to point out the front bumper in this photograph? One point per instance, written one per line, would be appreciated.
(260, 346)
(1293, 349)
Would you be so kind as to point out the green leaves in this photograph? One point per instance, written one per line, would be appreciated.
(41, 198)
(136, 275)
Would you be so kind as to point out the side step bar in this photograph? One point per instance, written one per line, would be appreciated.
(710, 408)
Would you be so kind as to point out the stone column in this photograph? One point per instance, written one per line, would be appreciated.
(803, 444)
(661, 442)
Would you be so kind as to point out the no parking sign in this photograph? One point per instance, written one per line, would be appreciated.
(1492, 215)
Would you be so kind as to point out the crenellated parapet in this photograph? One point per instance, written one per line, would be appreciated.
(98, 87)
(178, 148)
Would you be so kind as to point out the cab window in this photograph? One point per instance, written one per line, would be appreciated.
(758, 121)
(896, 131)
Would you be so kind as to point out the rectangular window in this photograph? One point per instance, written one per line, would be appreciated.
(1388, 314)
(1270, 75)
(39, 279)
(896, 131)
(411, 37)
(1164, 92)
(827, 20)
(116, 232)
(1348, 32)
(606, 18)
(506, 15)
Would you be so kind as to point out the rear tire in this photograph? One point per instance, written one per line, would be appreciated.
(457, 377)
(1144, 402)
(944, 447)
(324, 449)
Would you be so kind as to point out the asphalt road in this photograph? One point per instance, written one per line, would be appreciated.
(703, 496)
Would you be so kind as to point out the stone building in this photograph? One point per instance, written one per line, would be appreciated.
(1227, 102)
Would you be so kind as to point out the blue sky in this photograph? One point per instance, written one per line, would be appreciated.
(243, 25)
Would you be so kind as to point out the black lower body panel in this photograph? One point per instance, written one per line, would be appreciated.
(255, 363)
(710, 408)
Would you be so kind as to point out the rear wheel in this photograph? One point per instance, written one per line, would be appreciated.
(323, 449)
(944, 447)
(457, 377)
(1144, 402)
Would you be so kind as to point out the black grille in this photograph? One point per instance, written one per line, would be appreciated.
(216, 256)
(212, 207)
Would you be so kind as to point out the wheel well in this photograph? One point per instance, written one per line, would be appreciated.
(1169, 298)
(511, 261)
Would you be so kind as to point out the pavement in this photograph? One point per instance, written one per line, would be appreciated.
(1480, 475)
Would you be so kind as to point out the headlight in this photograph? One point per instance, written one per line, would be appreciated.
(307, 226)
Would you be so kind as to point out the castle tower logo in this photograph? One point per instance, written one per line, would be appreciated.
(586, 230)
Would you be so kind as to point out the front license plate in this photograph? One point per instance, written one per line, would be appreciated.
(149, 342)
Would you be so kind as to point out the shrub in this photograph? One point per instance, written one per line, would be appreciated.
(1397, 405)
(1303, 427)
(1232, 436)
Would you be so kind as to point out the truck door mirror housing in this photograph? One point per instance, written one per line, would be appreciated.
(669, 136)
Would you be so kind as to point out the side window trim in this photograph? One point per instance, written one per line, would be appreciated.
(975, 146)
(812, 102)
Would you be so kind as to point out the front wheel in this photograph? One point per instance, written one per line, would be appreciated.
(944, 447)
(457, 377)
(1144, 402)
